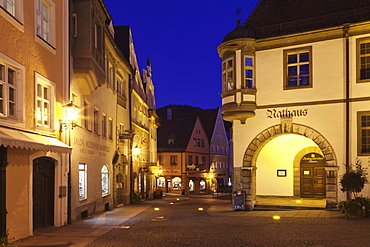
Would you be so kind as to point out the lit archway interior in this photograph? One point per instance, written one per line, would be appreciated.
(278, 155)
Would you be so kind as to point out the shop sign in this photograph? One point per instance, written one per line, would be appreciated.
(239, 200)
(286, 113)
(312, 158)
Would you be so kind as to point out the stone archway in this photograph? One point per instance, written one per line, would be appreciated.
(247, 181)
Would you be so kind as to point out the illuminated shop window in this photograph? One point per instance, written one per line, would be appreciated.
(298, 68)
(248, 83)
(364, 60)
(202, 185)
(228, 75)
(364, 133)
(82, 180)
(104, 180)
(176, 183)
(191, 185)
(161, 182)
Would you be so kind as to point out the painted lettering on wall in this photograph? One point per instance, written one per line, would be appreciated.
(89, 147)
(286, 113)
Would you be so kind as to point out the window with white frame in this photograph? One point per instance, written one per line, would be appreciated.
(248, 82)
(298, 66)
(43, 19)
(44, 102)
(104, 180)
(12, 10)
(82, 181)
(11, 88)
(9, 6)
(8, 90)
(228, 75)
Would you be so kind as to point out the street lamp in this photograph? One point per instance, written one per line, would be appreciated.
(71, 114)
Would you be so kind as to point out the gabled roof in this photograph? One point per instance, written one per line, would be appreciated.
(280, 17)
(208, 118)
(178, 129)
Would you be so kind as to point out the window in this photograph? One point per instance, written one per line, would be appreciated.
(45, 21)
(120, 84)
(363, 133)
(228, 75)
(160, 159)
(110, 129)
(98, 37)
(96, 121)
(104, 180)
(110, 73)
(198, 141)
(104, 125)
(248, 83)
(9, 6)
(363, 47)
(43, 93)
(190, 160)
(202, 141)
(203, 160)
(42, 19)
(11, 88)
(176, 183)
(86, 115)
(161, 182)
(8, 91)
(194, 142)
(173, 160)
(82, 181)
(298, 66)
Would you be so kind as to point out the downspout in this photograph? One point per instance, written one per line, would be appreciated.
(347, 106)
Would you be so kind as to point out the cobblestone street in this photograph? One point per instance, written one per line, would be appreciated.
(184, 224)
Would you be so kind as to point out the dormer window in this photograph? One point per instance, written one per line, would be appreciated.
(171, 141)
(228, 75)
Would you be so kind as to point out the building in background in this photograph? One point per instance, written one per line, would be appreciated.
(192, 150)
(34, 87)
(295, 82)
(143, 120)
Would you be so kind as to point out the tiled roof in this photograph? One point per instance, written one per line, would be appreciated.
(178, 129)
(280, 17)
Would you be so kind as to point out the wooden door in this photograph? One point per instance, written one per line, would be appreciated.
(43, 193)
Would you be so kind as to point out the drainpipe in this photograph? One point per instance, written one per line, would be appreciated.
(3, 212)
(347, 158)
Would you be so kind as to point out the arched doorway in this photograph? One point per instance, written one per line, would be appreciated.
(250, 166)
(43, 192)
(312, 176)
(120, 188)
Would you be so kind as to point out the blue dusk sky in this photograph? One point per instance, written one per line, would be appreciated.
(180, 37)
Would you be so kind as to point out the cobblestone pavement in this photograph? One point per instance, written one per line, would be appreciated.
(194, 222)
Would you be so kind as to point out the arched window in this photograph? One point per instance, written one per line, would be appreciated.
(104, 180)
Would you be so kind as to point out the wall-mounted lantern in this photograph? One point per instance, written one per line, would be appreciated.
(71, 116)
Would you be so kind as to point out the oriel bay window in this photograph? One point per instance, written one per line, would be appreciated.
(297, 66)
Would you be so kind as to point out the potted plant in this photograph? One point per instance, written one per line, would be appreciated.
(353, 181)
